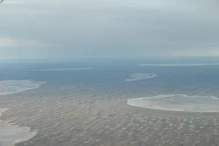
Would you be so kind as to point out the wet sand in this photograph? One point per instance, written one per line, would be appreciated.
(11, 134)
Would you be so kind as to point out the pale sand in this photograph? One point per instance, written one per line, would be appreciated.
(11, 134)
(177, 102)
(15, 86)
(140, 76)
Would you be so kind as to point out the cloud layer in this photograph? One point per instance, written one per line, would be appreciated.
(110, 28)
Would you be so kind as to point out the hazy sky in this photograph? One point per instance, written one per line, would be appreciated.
(108, 28)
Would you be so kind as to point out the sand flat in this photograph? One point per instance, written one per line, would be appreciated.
(15, 86)
(177, 102)
(140, 76)
(11, 134)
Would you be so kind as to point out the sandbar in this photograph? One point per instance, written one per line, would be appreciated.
(177, 102)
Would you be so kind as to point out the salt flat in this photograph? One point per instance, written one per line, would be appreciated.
(178, 102)
(16, 86)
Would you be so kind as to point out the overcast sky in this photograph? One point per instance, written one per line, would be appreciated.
(108, 28)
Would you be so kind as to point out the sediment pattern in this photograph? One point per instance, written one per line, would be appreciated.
(84, 115)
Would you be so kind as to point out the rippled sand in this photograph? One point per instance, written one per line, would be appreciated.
(11, 134)
(178, 102)
(16, 86)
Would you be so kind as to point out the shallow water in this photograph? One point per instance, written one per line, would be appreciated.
(11, 134)
(178, 102)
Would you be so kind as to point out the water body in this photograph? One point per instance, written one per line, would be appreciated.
(178, 102)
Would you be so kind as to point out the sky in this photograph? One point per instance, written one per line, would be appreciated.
(57, 29)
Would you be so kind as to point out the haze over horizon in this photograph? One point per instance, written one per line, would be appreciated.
(93, 29)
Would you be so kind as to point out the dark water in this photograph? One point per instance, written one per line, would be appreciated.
(114, 72)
